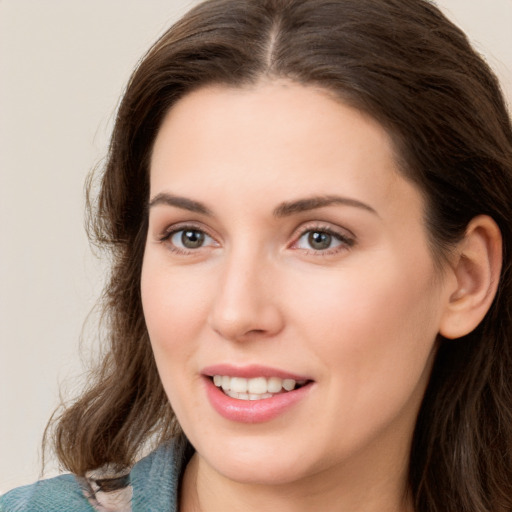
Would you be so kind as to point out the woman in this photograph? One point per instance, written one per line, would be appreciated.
(308, 207)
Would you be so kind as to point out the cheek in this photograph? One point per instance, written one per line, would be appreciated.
(174, 310)
(373, 330)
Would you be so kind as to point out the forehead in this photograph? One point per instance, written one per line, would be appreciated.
(275, 135)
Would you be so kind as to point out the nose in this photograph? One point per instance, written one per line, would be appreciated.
(245, 305)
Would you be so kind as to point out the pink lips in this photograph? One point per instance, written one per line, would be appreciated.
(252, 411)
(250, 372)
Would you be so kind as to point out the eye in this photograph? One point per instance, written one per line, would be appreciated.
(188, 239)
(322, 240)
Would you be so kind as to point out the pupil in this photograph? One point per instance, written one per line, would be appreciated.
(192, 239)
(319, 240)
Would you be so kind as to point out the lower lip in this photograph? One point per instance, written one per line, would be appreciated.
(253, 411)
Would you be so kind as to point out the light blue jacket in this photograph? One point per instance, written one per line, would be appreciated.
(152, 486)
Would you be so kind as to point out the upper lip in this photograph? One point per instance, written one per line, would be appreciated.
(250, 372)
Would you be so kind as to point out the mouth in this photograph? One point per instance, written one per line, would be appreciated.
(254, 393)
(257, 388)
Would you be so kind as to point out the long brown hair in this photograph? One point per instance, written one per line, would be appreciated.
(405, 64)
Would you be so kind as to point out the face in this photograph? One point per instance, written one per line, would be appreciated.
(287, 261)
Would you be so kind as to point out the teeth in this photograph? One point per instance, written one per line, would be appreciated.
(257, 386)
(254, 389)
(238, 385)
(274, 385)
(248, 396)
(288, 384)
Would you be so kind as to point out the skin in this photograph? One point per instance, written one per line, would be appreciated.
(360, 318)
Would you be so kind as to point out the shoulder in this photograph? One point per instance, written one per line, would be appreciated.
(62, 493)
(152, 485)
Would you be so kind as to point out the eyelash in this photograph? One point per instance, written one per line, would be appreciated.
(168, 235)
(345, 242)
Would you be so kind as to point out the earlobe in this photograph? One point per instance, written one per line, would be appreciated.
(476, 267)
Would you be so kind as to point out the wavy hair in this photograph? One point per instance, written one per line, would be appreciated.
(403, 63)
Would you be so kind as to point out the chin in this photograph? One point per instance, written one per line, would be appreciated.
(257, 462)
(270, 472)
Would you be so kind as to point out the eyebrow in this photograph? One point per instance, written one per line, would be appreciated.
(285, 209)
(180, 202)
(312, 203)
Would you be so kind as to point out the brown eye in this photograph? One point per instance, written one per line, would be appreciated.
(189, 239)
(322, 240)
(192, 239)
(319, 240)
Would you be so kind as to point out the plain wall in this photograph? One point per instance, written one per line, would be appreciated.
(63, 66)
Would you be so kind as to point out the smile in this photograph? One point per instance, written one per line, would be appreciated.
(254, 394)
(258, 388)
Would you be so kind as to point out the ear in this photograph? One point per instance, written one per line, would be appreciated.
(476, 266)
